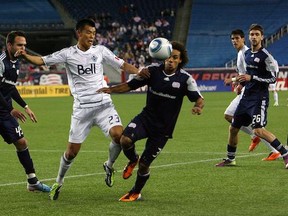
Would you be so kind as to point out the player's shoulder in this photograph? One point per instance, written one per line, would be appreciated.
(3, 55)
(184, 73)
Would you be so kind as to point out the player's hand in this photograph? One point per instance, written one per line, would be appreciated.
(227, 81)
(244, 78)
(18, 115)
(31, 114)
(104, 90)
(19, 53)
(144, 73)
(238, 89)
(196, 110)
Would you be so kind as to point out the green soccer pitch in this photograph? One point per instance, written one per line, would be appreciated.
(183, 181)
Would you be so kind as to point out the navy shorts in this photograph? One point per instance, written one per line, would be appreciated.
(136, 130)
(252, 112)
(10, 130)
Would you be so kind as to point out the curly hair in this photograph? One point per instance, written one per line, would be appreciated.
(183, 52)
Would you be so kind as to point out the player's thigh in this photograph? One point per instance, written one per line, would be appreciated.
(259, 117)
(136, 130)
(81, 123)
(108, 118)
(230, 110)
(10, 130)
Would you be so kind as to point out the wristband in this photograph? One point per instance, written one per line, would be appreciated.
(26, 107)
(233, 79)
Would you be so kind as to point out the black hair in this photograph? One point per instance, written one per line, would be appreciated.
(83, 22)
(12, 35)
(183, 53)
(238, 32)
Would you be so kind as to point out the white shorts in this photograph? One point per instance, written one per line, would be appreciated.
(82, 120)
(230, 110)
(272, 86)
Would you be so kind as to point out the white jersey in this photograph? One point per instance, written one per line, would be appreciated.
(85, 72)
(241, 66)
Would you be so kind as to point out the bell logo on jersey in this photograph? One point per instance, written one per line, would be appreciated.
(88, 70)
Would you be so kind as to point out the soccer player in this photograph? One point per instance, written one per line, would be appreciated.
(84, 67)
(167, 85)
(238, 41)
(275, 94)
(261, 69)
(10, 129)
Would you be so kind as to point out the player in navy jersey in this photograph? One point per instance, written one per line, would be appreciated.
(167, 85)
(10, 129)
(261, 69)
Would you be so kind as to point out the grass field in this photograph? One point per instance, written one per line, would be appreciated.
(183, 181)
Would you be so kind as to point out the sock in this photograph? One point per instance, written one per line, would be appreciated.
(275, 95)
(140, 182)
(26, 161)
(114, 151)
(279, 147)
(231, 152)
(269, 146)
(248, 130)
(131, 153)
(65, 164)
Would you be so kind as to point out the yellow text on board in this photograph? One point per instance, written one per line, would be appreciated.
(43, 91)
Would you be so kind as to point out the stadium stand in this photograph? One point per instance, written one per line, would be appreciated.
(32, 14)
(212, 21)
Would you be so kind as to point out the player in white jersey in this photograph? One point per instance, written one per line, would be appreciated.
(272, 87)
(84, 67)
(238, 41)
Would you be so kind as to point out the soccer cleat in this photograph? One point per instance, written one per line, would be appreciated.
(272, 156)
(109, 179)
(130, 197)
(285, 158)
(276, 104)
(39, 186)
(226, 162)
(55, 190)
(255, 141)
(128, 169)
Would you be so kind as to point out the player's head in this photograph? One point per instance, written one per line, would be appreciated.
(256, 35)
(178, 58)
(237, 38)
(86, 31)
(15, 40)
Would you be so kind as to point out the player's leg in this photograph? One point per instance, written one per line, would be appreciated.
(109, 122)
(11, 131)
(153, 147)
(80, 126)
(259, 122)
(133, 132)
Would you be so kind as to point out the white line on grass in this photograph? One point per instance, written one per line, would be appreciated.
(153, 167)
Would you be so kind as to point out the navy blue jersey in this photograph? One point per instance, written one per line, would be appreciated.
(164, 97)
(263, 68)
(9, 71)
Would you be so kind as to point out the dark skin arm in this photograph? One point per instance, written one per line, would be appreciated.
(120, 88)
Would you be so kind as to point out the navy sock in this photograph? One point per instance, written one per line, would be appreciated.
(231, 152)
(278, 146)
(26, 161)
(131, 153)
(140, 182)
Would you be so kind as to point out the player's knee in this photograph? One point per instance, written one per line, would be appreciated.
(258, 132)
(228, 118)
(116, 133)
(21, 144)
(125, 142)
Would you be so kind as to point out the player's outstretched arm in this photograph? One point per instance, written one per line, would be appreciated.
(120, 88)
(36, 60)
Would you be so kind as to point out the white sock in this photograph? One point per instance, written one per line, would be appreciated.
(275, 95)
(248, 130)
(114, 151)
(65, 164)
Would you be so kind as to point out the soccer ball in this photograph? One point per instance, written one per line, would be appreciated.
(160, 48)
